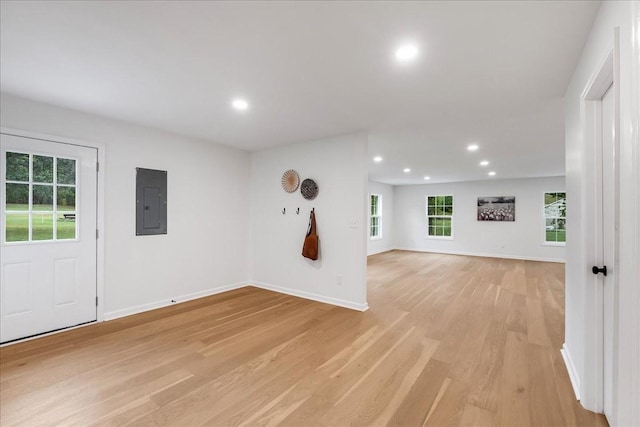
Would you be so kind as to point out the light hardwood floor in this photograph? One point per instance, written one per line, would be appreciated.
(448, 341)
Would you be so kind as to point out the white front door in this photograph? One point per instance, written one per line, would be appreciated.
(48, 236)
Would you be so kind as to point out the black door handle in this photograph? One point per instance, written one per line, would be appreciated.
(596, 270)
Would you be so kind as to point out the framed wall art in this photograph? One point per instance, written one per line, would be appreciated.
(500, 208)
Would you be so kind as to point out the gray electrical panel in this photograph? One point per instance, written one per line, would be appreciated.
(151, 202)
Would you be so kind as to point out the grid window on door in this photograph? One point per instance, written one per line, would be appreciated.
(375, 229)
(555, 217)
(40, 198)
(440, 216)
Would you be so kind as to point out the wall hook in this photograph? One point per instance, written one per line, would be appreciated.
(284, 210)
(298, 211)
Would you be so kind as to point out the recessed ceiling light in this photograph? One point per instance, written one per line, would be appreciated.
(406, 52)
(427, 178)
(406, 170)
(377, 159)
(472, 147)
(484, 163)
(492, 173)
(240, 104)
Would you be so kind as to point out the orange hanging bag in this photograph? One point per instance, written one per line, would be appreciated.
(310, 246)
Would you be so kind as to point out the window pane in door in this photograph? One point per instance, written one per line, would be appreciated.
(43, 169)
(66, 171)
(66, 226)
(17, 167)
(17, 197)
(42, 199)
(16, 227)
(41, 226)
(66, 198)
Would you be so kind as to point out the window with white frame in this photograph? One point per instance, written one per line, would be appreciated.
(375, 223)
(555, 217)
(40, 198)
(440, 216)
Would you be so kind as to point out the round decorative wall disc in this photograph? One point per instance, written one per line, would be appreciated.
(290, 181)
(309, 189)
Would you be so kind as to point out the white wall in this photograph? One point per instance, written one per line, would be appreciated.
(385, 242)
(521, 239)
(581, 344)
(338, 165)
(208, 207)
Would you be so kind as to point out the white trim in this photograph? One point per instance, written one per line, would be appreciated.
(600, 81)
(571, 370)
(628, 260)
(309, 295)
(554, 244)
(171, 301)
(483, 255)
(591, 379)
(100, 198)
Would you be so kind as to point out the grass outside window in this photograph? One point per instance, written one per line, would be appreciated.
(42, 222)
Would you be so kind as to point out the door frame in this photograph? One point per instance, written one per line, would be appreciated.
(591, 389)
(99, 211)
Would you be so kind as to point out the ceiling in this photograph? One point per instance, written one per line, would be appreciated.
(493, 73)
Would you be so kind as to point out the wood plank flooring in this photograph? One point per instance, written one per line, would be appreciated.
(448, 341)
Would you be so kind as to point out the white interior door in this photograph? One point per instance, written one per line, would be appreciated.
(48, 236)
(608, 243)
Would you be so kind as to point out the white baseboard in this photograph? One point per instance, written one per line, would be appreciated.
(520, 257)
(379, 251)
(167, 302)
(309, 295)
(571, 369)
(188, 297)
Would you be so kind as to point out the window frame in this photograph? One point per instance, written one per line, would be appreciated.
(378, 216)
(545, 242)
(451, 217)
